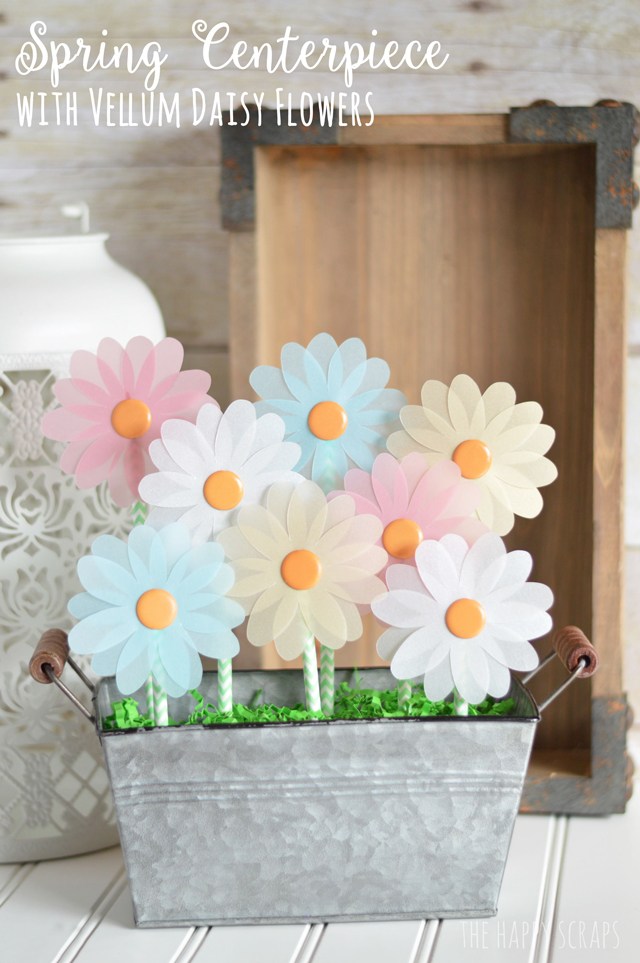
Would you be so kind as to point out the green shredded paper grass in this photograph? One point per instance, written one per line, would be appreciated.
(350, 703)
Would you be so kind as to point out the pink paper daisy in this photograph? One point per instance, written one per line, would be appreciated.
(113, 406)
(415, 502)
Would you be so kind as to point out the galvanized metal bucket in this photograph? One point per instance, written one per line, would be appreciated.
(317, 821)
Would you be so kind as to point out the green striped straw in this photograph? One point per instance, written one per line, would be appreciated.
(404, 693)
(157, 704)
(459, 704)
(148, 691)
(160, 705)
(327, 679)
(310, 668)
(225, 686)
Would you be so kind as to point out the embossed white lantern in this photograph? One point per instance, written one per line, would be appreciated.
(57, 294)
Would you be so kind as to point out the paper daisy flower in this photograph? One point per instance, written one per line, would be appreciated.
(334, 404)
(153, 605)
(303, 565)
(113, 406)
(493, 440)
(415, 502)
(208, 470)
(463, 617)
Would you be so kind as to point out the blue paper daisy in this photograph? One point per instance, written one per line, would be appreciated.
(335, 405)
(153, 605)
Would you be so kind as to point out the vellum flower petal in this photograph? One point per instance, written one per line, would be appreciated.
(224, 645)
(470, 670)
(170, 490)
(526, 502)
(494, 510)
(106, 580)
(499, 679)
(487, 551)
(434, 398)
(401, 576)
(517, 654)
(511, 439)
(504, 575)
(462, 401)
(526, 474)
(307, 510)
(533, 593)
(411, 657)
(325, 617)
(103, 629)
(439, 564)
(527, 620)
(438, 680)
(186, 446)
(180, 661)
(84, 604)
(360, 590)
(106, 663)
(112, 548)
(499, 397)
(390, 641)
(133, 664)
(291, 642)
(406, 609)
(161, 457)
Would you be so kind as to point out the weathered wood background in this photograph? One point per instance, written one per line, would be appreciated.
(155, 190)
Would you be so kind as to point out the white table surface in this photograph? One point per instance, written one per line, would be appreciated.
(569, 894)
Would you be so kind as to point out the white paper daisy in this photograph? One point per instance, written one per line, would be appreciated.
(492, 439)
(209, 470)
(303, 565)
(463, 617)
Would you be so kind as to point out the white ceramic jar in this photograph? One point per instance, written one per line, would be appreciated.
(56, 295)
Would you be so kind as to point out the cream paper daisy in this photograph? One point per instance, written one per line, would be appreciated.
(303, 565)
(493, 440)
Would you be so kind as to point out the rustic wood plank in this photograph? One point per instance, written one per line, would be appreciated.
(608, 452)
(64, 892)
(216, 362)
(511, 934)
(244, 345)
(446, 129)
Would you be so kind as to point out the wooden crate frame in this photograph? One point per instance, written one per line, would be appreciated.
(587, 774)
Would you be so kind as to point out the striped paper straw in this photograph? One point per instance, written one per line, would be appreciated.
(225, 686)
(461, 707)
(404, 693)
(310, 668)
(161, 705)
(327, 679)
(148, 691)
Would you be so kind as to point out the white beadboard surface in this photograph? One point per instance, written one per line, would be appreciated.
(569, 894)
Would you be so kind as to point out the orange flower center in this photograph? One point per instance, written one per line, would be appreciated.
(401, 537)
(223, 490)
(131, 418)
(301, 569)
(156, 609)
(327, 420)
(473, 458)
(465, 618)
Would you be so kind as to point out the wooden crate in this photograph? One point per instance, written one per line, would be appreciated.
(493, 245)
